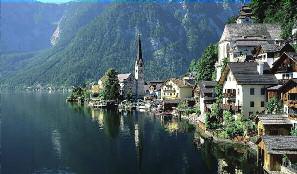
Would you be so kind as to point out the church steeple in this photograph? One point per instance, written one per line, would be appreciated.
(139, 59)
(139, 71)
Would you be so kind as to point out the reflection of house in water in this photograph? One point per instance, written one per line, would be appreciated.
(224, 168)
(98, 116)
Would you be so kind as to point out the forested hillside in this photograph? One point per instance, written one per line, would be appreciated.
(28, 26)
(283, 12)
(172, 35)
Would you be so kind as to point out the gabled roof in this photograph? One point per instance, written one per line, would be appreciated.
(280, 144)
(290, 55)
(123, 77)
(291, 83)
(179, 82)
(207, 87)
(246, 73)
(252, 43)
(270, 119)
(260, 31)
(276, 48)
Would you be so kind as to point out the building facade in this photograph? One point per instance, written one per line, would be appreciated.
(176, 89)
(244, 87)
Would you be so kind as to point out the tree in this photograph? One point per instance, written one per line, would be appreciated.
(282, 12)
(214, 118)
(274, 106)
(294, 132)
(204, 67)
(111, 87)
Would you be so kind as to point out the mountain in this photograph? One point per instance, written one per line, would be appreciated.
(172, 35)
(28, 25)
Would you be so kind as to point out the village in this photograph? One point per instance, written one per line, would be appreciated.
(253, 99)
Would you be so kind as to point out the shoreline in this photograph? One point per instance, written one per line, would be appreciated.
(208, 135)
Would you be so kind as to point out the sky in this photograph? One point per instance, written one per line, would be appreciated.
(54, 1)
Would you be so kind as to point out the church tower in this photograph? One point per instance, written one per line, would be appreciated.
(139, 71)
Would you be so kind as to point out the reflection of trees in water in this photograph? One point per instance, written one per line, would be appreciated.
(231, 158)
(111, 123)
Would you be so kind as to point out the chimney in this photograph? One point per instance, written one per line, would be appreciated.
(260, 68)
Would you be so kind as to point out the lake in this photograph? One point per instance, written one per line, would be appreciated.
(42, 134)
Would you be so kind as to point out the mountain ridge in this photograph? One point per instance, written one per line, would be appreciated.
(172, 34)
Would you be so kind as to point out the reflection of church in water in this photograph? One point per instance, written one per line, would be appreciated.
(138, 140)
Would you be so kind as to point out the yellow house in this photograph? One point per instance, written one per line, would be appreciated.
(274, 125)
(175, 89)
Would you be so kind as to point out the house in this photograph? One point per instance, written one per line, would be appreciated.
(154, 88)
(126, 82)
(244, 87)
(95, 89)
(285, 67)
(273, 125)
(271, 52)
(239, 40)
(277, 153)
(287, 94)
(207, 95)
(176, 89)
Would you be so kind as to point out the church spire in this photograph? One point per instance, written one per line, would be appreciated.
(139, 51)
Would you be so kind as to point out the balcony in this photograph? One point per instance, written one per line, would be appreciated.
(231, 107)
(169, 90)
(230, 95)
(292, 103)
(284, 69)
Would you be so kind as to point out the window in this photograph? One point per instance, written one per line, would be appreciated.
(251, 113)
(262, 104)
(262, 91)
(252, 91)
(252, 104)
(237, 91)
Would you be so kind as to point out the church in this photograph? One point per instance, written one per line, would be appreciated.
(132, 85)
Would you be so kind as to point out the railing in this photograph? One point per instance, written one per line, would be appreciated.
(231, 107)
(230, 95)
(284, 69)
(292, 103)
(169, 90)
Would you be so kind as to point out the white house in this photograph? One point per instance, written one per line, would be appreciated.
(244, 87)
(239, 40)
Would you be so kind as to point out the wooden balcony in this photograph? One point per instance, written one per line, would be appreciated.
(284, 69)
(231, 107)
(230, 95)
(292, 103)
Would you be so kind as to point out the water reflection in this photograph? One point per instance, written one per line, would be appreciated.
(46, 135)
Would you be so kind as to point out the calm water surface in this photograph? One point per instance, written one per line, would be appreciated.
(43, 134)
